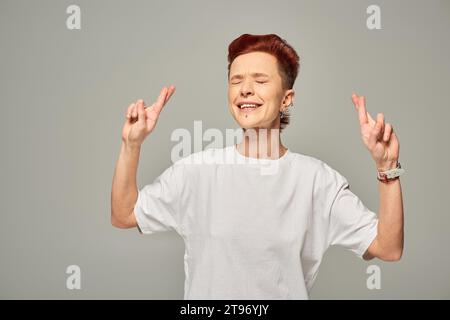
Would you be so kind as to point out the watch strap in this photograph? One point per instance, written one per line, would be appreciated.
(390, 174)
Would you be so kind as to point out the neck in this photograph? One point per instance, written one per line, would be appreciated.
(262, 143)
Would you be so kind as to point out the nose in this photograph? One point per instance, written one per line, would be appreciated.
(246, 88)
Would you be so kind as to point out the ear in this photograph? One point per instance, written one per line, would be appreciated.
(288, 97)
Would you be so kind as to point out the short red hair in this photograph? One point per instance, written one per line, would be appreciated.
(287, 57)
(270, 43)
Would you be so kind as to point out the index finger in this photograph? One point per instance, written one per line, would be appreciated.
(360, 104)
(368, 117)
(171, 91)
(362, 111)
(160, 101)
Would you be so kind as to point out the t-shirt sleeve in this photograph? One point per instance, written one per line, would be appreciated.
(157, 205)
(351, 224)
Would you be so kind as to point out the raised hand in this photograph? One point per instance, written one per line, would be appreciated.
(378, 137)
(141, 119)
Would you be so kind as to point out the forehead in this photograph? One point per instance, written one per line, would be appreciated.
(254, 62)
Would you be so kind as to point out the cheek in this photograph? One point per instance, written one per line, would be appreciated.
(233, 94)
(230, 93)
(233, 90)
(269, 95)
(231, 98)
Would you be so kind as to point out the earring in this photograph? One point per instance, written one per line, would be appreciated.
(285, 111)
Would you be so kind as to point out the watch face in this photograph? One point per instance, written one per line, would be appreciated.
(395, 173)
(391, 174)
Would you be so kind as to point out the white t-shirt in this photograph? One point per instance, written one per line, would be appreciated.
(251, 233)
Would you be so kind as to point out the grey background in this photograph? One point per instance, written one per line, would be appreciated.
(63, 100)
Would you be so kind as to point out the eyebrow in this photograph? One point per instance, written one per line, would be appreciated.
(254, 75)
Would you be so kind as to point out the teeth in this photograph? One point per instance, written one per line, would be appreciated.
(249, 105)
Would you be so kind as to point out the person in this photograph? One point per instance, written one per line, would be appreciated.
(250, 235)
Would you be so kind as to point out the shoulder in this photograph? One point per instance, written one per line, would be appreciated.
(304, 160)
(321, 171)
(310, 163)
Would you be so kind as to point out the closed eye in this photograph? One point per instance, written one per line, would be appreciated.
(261, 82)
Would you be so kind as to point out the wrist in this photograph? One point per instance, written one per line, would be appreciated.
(388, 165)
(130, 147)
(387, 173)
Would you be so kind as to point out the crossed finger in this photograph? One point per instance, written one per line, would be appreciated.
(164, 96)
(363, 115)
(162, 99)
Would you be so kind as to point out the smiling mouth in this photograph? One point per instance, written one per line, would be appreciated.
(249, 107)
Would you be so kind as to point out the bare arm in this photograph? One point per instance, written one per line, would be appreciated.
(124, 188)
(388, 245)
(140, 122)
(382, 142)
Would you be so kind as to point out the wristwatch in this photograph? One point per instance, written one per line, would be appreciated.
(389, 175)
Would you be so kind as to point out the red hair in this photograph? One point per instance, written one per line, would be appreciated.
(287, 57)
